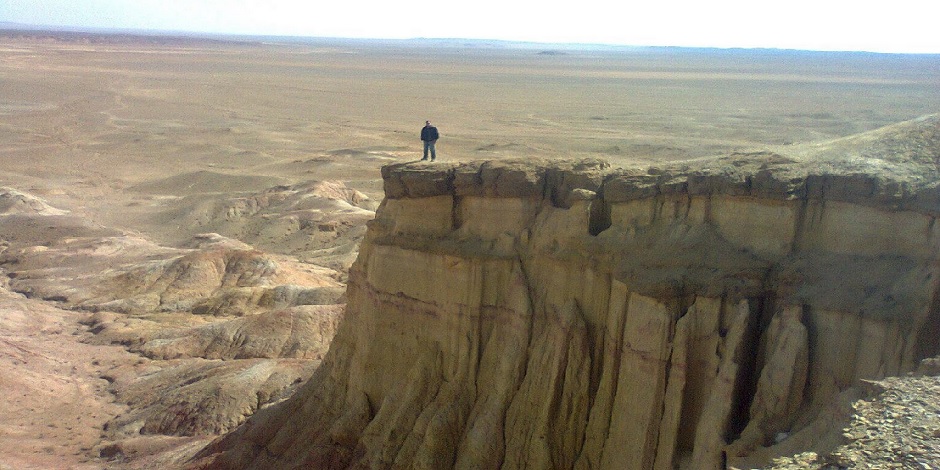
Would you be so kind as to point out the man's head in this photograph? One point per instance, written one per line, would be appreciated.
(427, 123)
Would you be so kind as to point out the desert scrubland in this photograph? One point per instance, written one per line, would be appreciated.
(179, 216)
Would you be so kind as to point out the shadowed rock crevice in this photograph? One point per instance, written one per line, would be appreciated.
(588, 317)
(600, 216)
(928, 337)
(749, 372)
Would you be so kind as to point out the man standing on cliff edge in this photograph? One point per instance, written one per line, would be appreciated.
(429, 136)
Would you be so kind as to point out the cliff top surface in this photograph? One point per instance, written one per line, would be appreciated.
(896, 166)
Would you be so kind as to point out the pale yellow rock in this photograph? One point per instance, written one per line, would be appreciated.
(673, 403)
(432, 216)
(779, 392)
(763, 226)
(635, 414)
(560, 282)
(598, 425)
(427, 277)
(552, 399)
(632, 214)
(501, 368)
(435, 438)
(715, 418)
(843, 227)
(491, 217)
(704, 345)
(395, 420)
(835, 345)
(878, 354)
(700, 209)
(673, 208)
(556, 226)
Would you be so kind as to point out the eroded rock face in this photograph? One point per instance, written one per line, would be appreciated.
(199, 397)
(302, 332)
(222, 328)
(569, 315)
(320, 222)
(131, 275)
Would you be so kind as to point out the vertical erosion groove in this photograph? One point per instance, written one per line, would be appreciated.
(597, 340)
(812, 333)
(599, 219)
(681, 311)
(749, 371)
(928, 338)
(524, 360)
(456, 215)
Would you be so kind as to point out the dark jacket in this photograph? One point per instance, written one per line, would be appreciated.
(429, 133)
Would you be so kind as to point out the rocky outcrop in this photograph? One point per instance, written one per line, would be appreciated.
(198, 397)
(16, 202)
(893, 426)
(128, 274)
(319, 222)
(214, 281)
(302, 332)
(542, 314)
(201, 371)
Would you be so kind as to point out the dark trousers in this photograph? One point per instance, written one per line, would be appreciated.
(429, 145)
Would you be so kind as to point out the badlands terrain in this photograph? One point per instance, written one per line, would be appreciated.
(179, 217)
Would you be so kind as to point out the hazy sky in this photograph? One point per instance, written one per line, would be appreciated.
(884, 26)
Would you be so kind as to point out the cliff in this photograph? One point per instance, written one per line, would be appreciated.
(546, 314)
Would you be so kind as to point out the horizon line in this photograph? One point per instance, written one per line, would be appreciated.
(182, 33)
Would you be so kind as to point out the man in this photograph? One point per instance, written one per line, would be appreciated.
(429, 136)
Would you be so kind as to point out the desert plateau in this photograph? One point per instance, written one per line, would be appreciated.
(224, 252)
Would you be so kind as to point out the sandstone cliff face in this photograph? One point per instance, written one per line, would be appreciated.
(569, 315)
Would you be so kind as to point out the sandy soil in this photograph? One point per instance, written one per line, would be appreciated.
(129, 133)
(55, 402)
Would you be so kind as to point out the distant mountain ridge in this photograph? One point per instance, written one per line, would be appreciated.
(546, 48)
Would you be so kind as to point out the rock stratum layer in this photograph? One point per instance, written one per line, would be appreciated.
(545, 314)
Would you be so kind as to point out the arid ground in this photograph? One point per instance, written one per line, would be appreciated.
(157, 190)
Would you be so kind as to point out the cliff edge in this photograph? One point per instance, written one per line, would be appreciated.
(559, 314)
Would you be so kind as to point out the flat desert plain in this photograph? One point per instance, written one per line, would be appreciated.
(85, 120)
(121, 155)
